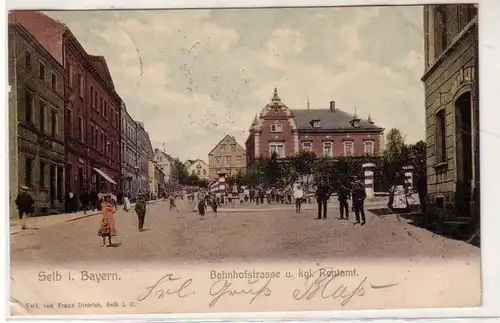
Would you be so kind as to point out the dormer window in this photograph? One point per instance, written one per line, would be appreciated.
(316, 123)
(276, 128)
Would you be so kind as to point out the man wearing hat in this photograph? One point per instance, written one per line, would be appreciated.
(24, 203)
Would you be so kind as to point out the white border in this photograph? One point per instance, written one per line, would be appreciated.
(489, 24)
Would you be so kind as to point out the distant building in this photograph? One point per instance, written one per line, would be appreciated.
(167, 165)
(227, 157)
(144, 154)
(326, 132)
(156, 179)
(130, 168)
(452, 107)
(197, 167)
(36, 121)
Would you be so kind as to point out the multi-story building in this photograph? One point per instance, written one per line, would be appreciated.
(326, 132)
(130, 169)
(197, 167)
(144, 154)
(36, 127)
(92, 107)
(156, 179)
(227, 157)
(452, 107)
(167, 165)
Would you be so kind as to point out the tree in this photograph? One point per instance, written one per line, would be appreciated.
(255, 172)
(395, 141)
(304, 163)
(182, 173)
(273, 170)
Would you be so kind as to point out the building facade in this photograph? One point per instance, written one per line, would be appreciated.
(325, 132)
(167, 165)
(130, 169)
(227, 157)
(144, 154)
(197, 167)
(36, 125)
(91, 106)
(452, 107)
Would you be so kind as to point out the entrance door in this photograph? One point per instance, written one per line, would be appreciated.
(69, 179)
(464, 153)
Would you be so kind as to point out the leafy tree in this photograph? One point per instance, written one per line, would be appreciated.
(273, 170)
(395, 142)
(181, 171)
(255, 173)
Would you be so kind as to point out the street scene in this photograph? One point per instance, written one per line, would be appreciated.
(162, 136)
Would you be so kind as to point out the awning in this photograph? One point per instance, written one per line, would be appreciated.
(103, 174)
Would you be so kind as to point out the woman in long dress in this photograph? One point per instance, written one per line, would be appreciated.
(107, 227)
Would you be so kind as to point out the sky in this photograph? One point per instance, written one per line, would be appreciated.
(194, 76)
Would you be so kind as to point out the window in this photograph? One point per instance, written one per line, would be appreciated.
(307, 146)
(103, 142)
(101, 106)
(41, 71)
(80, 87)
(205, 172)
(53, 123)
(105, 109)
(278, 148)
(440, 137)
(348, 148)
(441, 30)
(276, 128)
(53, 81)
(27, 60)
(217, 160)
(228, 160)
(70, 76)
(233, 148)
(92, 96)
(106, 145)
(368, 148)
(68, 122)
(42, 116)
(238, 160)
(316, 123)
(92, 131)
(223, 147)
(42, 174)
(28, 109)
(80, 128)
(29, 171)
(327, 149)
(94, 99)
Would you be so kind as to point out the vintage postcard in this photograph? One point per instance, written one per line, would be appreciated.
(243, 160)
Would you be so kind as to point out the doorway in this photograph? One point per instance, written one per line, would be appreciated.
(464, 133)
(52, 183)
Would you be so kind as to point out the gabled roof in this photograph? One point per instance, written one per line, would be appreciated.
(329, 120)
(101, 64)
(231, 138)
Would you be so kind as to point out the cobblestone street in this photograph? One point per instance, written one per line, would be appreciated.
(240, 233)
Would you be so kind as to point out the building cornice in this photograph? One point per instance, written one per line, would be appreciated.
(450, 47)
(341, 131)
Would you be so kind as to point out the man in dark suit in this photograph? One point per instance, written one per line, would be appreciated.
(322, 196)
(358, 201)
(344, 194)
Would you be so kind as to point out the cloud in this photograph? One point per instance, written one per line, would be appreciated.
(193, 76)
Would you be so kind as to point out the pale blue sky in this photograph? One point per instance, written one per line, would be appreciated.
(194, 76)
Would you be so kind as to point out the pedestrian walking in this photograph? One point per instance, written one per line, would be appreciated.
(201, 207)
(171, 200)
(126, 202)
(107, 226)
(25, 205)
(344, 195)
(322, 196)
(140, 210)
(298, 195)
(85, 200)
(358, 201)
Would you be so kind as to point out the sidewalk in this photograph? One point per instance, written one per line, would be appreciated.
(38, 222)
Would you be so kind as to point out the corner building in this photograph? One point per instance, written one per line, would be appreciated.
(452, 109)
(36, 122)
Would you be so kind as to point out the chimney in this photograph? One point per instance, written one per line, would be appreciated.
(332, 106)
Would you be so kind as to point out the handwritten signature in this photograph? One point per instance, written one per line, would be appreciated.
(168, 285)
(330, 287)
(225, 288)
